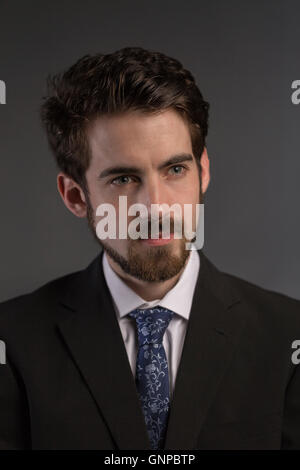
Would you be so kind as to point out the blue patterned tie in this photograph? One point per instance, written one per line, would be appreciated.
(152, 373)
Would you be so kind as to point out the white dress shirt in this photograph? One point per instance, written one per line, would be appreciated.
(178, 299)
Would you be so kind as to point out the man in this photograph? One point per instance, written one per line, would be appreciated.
(151, 346)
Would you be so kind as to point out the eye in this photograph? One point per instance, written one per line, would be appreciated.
(118, 181)
(181, 167)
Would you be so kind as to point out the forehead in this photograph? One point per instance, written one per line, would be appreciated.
(133, 136)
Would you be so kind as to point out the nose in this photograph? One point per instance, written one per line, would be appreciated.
(151, 193)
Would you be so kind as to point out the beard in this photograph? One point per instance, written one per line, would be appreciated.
(150, 264)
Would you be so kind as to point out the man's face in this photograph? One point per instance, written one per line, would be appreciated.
(142, 144)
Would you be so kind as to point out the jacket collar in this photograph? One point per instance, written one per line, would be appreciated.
(91, 330)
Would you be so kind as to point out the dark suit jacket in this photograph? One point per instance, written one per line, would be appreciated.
(67, 383)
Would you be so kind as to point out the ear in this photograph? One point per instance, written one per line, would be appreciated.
(205, 172)
(72, 195)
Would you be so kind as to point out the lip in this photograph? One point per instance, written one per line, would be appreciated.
(157, 241)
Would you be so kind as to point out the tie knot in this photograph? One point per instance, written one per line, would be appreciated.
(151, 324)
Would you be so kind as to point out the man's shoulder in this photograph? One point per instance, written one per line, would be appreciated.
(264, 303)
(43, 297)
(41, 306)
(225, 282)
(260, 293)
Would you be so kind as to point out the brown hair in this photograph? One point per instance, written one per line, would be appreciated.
(131, 78)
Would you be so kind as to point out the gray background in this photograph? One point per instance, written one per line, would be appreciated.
(244, 56)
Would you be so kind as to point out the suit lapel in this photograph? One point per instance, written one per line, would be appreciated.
(92, 334)
(94, 339)
(213, 330)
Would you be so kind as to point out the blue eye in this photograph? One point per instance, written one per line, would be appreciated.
(178, 166)
(119, 179)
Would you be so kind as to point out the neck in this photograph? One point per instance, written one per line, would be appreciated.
(147, 290)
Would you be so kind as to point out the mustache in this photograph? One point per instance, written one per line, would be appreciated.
(169, 225)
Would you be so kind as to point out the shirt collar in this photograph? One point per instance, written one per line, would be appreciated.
(178, 299)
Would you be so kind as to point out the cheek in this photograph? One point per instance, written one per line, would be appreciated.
(190, 191)
(190, 196)
(98, 197)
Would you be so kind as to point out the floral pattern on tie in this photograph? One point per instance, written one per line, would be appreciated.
(152, 373)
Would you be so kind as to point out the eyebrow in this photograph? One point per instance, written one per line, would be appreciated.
(116, 170)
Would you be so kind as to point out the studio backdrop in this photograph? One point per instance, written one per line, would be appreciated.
(244, 56)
